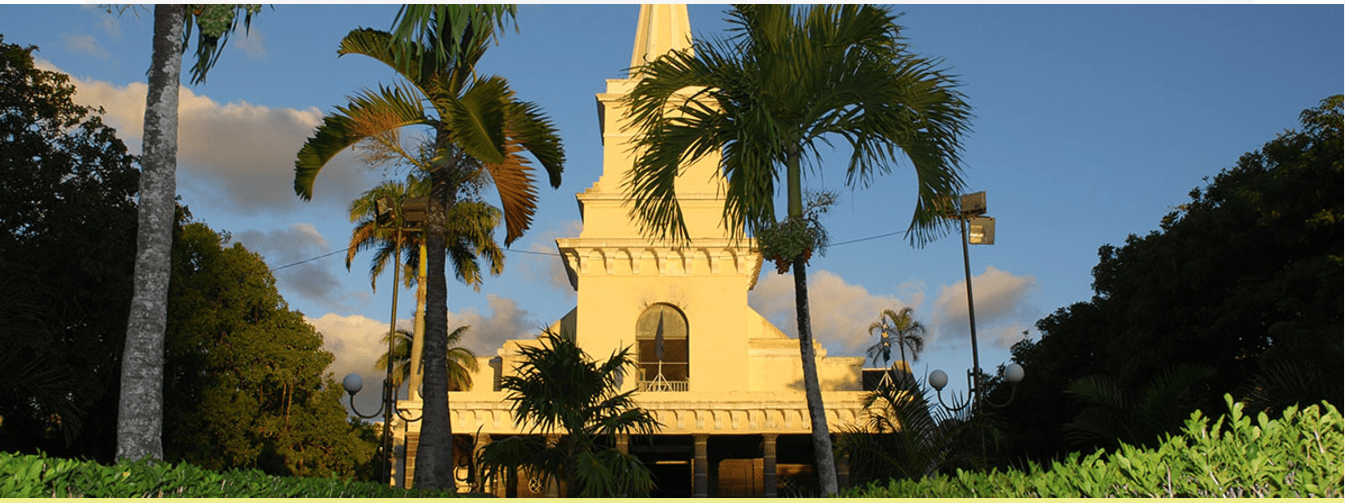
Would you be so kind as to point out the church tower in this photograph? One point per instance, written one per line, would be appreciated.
(722, 381)
(627, 282)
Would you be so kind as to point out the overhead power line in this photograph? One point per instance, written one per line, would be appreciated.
(550, 254)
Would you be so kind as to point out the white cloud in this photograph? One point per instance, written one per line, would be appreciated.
(251, 43)
(503, 320)
(841, 312)
(87, 45)
(235, 155)
(549, 269)
(1002, 309)
(111, 25)
(356, 341)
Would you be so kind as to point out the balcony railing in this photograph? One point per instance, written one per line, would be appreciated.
(662, 385)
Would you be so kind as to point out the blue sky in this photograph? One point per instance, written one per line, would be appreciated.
(1092, 122)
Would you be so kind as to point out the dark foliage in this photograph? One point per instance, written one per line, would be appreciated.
(244, 378)
(1245, 279)
(237, 359)
(67, 240)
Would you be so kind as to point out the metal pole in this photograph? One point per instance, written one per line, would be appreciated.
(971, 312)
(971, 315)
(389, 401)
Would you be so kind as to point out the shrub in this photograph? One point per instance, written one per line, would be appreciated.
(39, 476)
(1297, 455)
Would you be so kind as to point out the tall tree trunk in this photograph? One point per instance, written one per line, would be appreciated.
(817, 413)
(901, 346)
(434, 458)
(140, 413)
(418, 340)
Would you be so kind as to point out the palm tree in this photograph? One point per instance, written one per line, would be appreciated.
(479, 129)
(140, 410)
(900, 329)
(559, 390)
(461, 361)
(1113, 415)
(905, 435)
(471, 236)
(784, 82)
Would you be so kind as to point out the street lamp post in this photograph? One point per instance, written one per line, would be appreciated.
(971, 214)
(412, 212)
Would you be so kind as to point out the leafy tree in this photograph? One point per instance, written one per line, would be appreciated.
(140, 415)
(786, 81)
(560, 391)
(900, 329)
(67, 245)
(246, 383)
(1245, 278)
(478, 126)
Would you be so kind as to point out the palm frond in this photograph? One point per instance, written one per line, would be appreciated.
(377, 44)
(401, 357)
(778, 88)
(422, 31)
(477, 119)
(518, 193)
(538, 135)
(557, 389)
(367, 112)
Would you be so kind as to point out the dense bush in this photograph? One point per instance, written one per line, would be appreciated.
(31, 476)
(1297, 455)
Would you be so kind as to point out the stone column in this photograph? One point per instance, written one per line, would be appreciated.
(553, 487)
(623, 446)
(843, 471)
(481, 442)
(768, 481)
(399, 467)
(700, 482)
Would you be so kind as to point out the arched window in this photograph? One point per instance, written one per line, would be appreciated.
(661, 341)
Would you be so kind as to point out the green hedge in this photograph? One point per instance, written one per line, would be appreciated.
(1297, 455)
(39, 476)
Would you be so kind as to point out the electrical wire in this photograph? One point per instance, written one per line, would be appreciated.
(549, 254)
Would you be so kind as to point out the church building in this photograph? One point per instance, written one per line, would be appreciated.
(727, 385)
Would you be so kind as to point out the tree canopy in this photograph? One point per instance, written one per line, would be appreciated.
(1245, 279)
(246, 384)
(67, 238)
(245, 381)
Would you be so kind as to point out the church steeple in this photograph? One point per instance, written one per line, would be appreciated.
(661, 28)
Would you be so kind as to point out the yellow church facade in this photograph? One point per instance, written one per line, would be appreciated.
(726, 386)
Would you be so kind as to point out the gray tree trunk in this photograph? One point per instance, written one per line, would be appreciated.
(140, 414)
(817, 413)
(434, 458)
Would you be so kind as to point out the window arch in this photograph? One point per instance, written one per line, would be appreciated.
(667, 368)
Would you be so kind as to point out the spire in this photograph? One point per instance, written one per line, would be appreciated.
(662, 28)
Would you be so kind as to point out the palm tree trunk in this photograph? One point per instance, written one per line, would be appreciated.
(140, 413)
(434, 461)
(418, 339)
(901, 346)
(817, 413)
